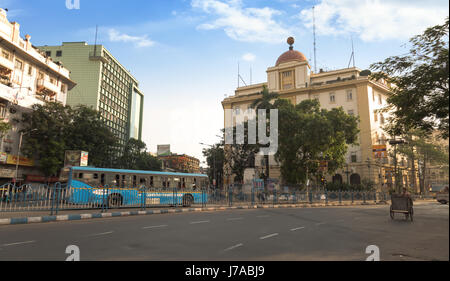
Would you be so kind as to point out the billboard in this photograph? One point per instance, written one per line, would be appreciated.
(76, 158)
(379, 151)
(163, 150)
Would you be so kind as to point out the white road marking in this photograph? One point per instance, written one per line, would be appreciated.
(197, 222)
(18, 243)
(294, 229)
(233, 247)
(155, 226)
(103, 233)
(234, 219)
(268, 236)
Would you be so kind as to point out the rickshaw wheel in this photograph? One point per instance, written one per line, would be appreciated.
(392, 214)
(411, 213)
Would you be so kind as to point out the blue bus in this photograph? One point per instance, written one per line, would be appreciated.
(118, 187)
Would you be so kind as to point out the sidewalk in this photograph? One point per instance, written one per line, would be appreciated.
(7, 218)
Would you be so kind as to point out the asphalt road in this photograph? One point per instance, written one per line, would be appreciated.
(330, 233)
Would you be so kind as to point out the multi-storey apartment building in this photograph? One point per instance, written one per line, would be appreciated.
(349, 88)
(104, 84)
(27, 77)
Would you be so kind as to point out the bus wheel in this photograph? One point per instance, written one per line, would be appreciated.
(188, 200)
(115, 200)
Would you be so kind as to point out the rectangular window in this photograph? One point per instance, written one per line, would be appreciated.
(353, 157)
(379, 99)
(58, 53)
(19, 64)
(30, 70)
(332, 98)
(48, 53)
(375, 116)
(349, 95)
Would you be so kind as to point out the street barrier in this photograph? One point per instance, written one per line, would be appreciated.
(58, 197)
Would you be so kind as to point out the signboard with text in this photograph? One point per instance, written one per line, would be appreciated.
(76, 158)
(379, 151)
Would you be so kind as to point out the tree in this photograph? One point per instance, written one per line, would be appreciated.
(308, 135)
(419, 93)
(52, 128)
(240, 156)
(136, 157)
(46, 131)
(265, 102)
(215, 158)
(88, 132)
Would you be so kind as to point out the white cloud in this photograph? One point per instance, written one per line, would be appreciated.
(374, 19)
(139, 41)
(242, 24)
(248, 57)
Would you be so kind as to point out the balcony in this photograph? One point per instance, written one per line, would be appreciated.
(97, 56)
(45, 87)
(6, 65)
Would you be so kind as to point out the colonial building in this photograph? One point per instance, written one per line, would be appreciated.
(180, 163)
(27, 77)
(350, 88)
(104, 84)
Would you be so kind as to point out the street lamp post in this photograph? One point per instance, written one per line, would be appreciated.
(18, 154)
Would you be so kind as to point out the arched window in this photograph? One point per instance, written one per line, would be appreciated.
(337, 178)
(355, 179)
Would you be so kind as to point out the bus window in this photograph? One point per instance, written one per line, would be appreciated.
(184, 183)
(124, 182)
(143, 182)
(151, 181)
(134, 181)
(95, 176)
(80, 175)
(164, 182)
(194, 186)
(117, 181)
(102, 179)
(168, 182)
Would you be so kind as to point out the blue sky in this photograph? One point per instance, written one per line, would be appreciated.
(185, 52)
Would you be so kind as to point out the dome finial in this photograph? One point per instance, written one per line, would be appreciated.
(291, 41)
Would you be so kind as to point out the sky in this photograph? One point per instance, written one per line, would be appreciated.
(185, 53)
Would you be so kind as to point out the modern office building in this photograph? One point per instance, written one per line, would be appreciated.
(349, 88)
(104, 84)
(27, 77)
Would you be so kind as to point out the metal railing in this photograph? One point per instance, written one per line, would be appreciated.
(58, 197)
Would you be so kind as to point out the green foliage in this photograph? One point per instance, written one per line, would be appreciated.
(52, 128)
(4, 127)
(215, 158)
(419, 99)
(308, 134)
(136, 157)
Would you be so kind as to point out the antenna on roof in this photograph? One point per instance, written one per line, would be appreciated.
(95, 44)
(352, 56)
(240, 77)
(314, 34)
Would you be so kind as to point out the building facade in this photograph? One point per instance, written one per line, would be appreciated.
(103, 84)
(180, 163)
(27, 77)
(349, 88)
